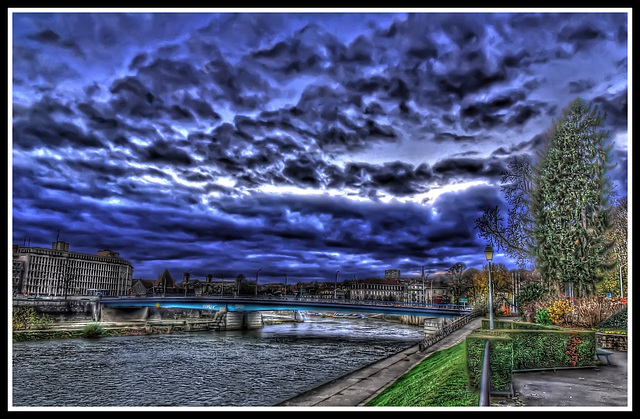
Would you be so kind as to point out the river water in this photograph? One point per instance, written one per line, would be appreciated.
(260, 367)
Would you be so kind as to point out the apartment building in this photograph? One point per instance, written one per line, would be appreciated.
(379, 289)
(61, 272)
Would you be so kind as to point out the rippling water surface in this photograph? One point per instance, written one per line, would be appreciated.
(234, 368)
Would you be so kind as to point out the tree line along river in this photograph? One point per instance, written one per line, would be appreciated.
(260, 367)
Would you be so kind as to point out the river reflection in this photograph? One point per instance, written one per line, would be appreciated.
(259, 367)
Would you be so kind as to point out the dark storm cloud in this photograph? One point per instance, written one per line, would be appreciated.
(302, 172)
(359, 51)
(516, 60)
(165, 152)
(335, 139)
(169, 75)
(287, 58)
(448, 137)
(619, 173)
(581, 36)
(240, 86)
(337, 223)
(579, 86)
(99, 118)
(43, 131)
(468, 168)
(48, 36)
(244, 30)
(506, 108)
(202, 109)
(132, 98)
(46, 106)
(395, 178)
(615, 108)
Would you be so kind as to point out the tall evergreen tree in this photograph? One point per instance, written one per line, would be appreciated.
(570, 199)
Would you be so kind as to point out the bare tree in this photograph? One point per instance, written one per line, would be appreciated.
(459, 284)
(620, 228)
(511, 235)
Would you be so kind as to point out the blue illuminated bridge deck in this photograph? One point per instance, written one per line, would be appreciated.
(244, 303)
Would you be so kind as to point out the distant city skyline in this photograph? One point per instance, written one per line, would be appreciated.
(292, 142)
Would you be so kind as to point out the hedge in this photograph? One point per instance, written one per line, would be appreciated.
(500, 358)
(517, 346)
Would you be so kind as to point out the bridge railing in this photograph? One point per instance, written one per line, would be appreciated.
(446, 330)
(336, 301)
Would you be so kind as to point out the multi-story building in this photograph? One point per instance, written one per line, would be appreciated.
(434, 289)
(60, 272)
(417, 292)
(379, 289)
(142, 286)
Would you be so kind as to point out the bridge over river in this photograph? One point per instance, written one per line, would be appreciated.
(251, 304)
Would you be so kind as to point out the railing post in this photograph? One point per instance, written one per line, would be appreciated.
(485, 379)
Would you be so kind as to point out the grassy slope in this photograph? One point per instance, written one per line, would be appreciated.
(439, 381)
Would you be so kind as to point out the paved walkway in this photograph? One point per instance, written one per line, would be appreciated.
(358, 387)
(604, 386)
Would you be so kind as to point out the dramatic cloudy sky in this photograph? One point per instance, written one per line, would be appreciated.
(292, 142)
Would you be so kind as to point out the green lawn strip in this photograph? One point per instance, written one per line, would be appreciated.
(440, 380)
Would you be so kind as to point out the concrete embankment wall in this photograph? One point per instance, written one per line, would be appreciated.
(124, 314)
(62, 310)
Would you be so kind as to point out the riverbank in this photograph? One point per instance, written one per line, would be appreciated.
(72, 330)
(358, 387)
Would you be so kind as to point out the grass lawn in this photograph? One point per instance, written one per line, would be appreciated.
(439, 381)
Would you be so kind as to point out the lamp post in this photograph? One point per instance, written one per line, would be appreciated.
(257, 281)
(285, 285)
(185, 279)
(424, 292)
(431, 292)
(488, 253)
(335, 287)
(621, 266)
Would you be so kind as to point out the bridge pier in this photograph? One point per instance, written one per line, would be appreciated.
(298, 316)
(238, 320)
(432, 326)
(252, 319)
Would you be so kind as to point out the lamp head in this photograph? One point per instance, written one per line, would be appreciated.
(488, 253)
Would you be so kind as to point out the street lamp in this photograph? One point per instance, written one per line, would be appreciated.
(257, 281)
(285, 285)
(424, 293)
(335, 288)
(488, 253)
(185, 279)
(621, 266)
